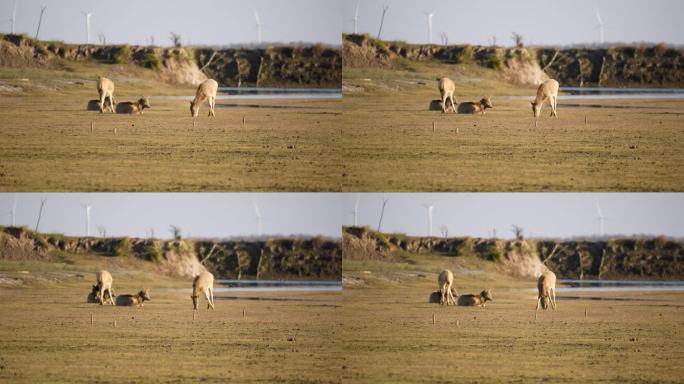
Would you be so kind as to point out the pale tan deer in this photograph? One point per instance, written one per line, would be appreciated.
(104, 284)
(473, 108)
(548, 90)
(205, 91)
(203, 283)
(105, 88)
(476, 300)
(134, 107)
(446, 91)
(546, 285)
(446, 280)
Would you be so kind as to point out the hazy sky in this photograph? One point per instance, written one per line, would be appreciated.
(548, 22)
(539, 214)
(197, 214)
(232, 214)
(210, 22)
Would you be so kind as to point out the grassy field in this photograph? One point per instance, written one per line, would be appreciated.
(390, 145)
(48, 144)
(389, 335)
(46, 334)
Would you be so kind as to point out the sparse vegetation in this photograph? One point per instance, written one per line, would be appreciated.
(152, 61)
(122, 54)
(122, 247)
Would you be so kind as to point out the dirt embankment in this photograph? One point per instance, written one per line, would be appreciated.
(306, 66)
(656, 258)
(277, 258)
(656, 65)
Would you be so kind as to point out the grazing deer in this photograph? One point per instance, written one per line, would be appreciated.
(134, 107)
(446, 280)
(473, 107)
(203, 283)
(105, 88)
(104, 284)
(436, 105)
(94, 105)
(131, 300)
(546, 285)
(548, 90)
(206, 90)
(446, 91)
(475, 300)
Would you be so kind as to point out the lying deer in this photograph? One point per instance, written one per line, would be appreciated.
(475, 300)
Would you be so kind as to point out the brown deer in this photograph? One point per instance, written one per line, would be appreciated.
(475, 300)
(472, 108)
(134, 107)
(131, 300)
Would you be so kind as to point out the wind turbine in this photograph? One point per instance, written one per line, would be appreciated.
(355, 212)
(14, 213)
(429, 19)
(87, 15)
(258, 26)
(601, 219)
(356, 18)
(429, 210)
(87, 212)
(259, 218)
(13, 19)
(601, 27)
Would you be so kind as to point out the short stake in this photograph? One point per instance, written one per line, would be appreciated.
(243, 313)
(91, 319)
(457, 323)
(535, 315)
(585, 312)
(433, 318)
(114, 323)
(115, 130)
(194, 314)
(91, 126)
(585, 120)
(243, 121)
(433, 127)
(194, 123)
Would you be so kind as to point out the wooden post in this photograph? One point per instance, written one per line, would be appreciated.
(535, 315)
(457, 323)
(585, 312)
(194, 314)
(115, 130)
(194, 122)
(433, 126)
(91, 319)
(243, 313)
(91, 126)
(457, 130)
(243, 121)
(433, 318)
(114, 323)
(585, 120)
(535, 122)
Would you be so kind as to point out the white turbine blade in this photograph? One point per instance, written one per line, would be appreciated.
(598, 17)
(256, 17)
(598, 210)
(256, 211)
(356, 13)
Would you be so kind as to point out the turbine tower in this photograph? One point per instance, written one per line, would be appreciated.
(259, 218)
(14, 213)
(356, 19)
(601, 219)
(13, 19)
(429, 19)
(87, 217)
(258, 26)
(429, 210)
(87, 18)
(601, 27)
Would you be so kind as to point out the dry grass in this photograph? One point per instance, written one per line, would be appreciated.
(389, 335)
(389, 143)
(46, 335)
(48, 145)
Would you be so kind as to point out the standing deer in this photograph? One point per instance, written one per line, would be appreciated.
(548, 90)
(206, 90)
(546, 285)
(446, 280)
(104, 284)
(105, 88)
(203, 283)
(446, 91)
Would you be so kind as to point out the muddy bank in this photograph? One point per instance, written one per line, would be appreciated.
(656, 65)
(300, 258)
(296, 66)
(652, 258)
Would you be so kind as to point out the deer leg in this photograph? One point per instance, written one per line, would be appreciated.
(213, 105)
(553, 292)
(206, 295)
(103, 96)
(211, 293)
(444, 99)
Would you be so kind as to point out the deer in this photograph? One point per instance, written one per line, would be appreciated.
(446, 280)
(446, 91)
(546, 285)
(473, 108)
(436, 105)
(104, 285)
(548, 90)
(133, 300)
(105, 88)
(475, 300)
(203, 283)
(205, 91)
(134, 107)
